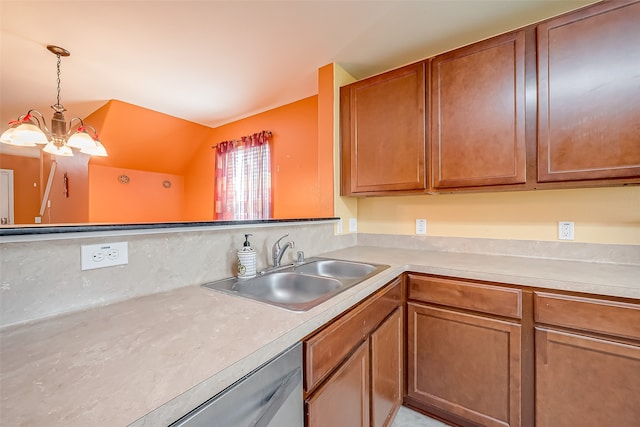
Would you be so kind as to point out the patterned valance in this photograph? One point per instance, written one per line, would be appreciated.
(248, 140)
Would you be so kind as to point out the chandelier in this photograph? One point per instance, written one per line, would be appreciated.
(30, 130)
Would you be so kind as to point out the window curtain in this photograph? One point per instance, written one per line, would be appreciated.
(243, 178)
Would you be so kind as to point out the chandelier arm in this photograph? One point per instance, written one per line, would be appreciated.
(40, 120)
(92, 129)
(72, 129)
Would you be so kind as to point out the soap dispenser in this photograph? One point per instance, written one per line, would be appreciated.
(246, 260)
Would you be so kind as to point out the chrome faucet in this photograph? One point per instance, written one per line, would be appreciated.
(277, 252)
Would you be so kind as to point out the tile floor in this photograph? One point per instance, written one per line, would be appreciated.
(408, 418)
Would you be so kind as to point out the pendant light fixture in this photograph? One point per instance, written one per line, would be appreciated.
(31, 129)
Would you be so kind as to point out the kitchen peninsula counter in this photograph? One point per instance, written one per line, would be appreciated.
(146, 361)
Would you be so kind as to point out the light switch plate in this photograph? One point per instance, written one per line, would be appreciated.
(339, 227)
(103, 255)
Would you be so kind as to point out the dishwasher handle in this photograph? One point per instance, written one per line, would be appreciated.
(277, 398)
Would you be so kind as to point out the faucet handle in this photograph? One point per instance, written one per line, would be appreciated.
(277, 243)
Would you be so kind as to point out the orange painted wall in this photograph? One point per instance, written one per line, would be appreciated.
(302, 169)
(296, 188)
(143, 199)
(26, 172)
(150, 146)
(74, 207)
(146, 140)
(325, 140)
(199, 185)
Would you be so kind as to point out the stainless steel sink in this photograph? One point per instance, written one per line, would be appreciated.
(300, 287)
(336, 268)
(289, 288)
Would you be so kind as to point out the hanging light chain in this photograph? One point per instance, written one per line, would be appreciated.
(58, 107)
(58, 80)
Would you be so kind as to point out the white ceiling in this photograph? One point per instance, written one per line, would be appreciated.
(212, 62)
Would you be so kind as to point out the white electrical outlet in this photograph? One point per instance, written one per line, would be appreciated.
(421, 227)
(565, 230)
(353, 225)
(104, 255)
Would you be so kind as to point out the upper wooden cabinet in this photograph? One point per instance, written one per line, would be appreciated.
(589, 94)
(383, 133)
(478, 114)
(485, 127)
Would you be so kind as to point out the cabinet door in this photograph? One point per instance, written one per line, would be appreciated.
(386, 370)
(464, 365)
(584, 381)
(589, 94)
(343, 400)
(383, 134)
(478, 111)
(327, 348)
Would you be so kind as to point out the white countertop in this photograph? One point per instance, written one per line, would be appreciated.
(148, 360)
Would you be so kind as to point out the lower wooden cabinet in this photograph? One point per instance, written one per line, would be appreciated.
(343, 400)
(465, 350)
(478, 354)
(386, 369)
(586, 381)
(464, 365)
(486, 354)
(587, 362)
(353, 366)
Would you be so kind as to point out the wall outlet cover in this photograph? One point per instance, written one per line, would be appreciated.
(353, 225)
(421, 227)
(103, 255)
(565, 230)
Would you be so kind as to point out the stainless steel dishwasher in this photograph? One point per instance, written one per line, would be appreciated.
(269, 396)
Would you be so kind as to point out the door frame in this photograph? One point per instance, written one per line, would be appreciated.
(6, 185)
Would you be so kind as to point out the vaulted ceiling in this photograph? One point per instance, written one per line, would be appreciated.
(212, 62)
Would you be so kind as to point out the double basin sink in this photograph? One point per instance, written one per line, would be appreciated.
(300, 287)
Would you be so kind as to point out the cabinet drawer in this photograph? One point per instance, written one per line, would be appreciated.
(326, 349)
(490, 299)
(588, 314)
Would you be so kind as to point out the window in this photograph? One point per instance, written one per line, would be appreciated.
(243, 178)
